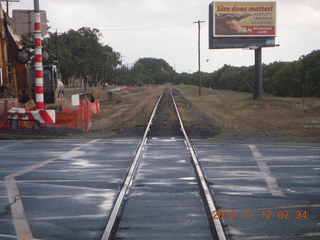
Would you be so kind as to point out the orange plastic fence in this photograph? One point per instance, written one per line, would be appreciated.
(64, 119)
(80, 119)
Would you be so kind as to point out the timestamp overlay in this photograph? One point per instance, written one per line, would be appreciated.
(265, 190)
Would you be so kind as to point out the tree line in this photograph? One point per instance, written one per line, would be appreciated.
(81, 54)
(287, 79)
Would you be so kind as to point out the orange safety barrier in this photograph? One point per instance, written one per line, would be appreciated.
(64, 119)
(80, 119)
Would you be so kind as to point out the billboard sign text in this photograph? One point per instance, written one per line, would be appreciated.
(244, 19)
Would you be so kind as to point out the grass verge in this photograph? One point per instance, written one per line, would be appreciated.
(240, 117)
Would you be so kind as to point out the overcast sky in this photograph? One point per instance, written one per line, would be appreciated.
(166, 29)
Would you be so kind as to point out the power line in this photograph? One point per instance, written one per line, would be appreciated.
(148, 28)
(140, 29)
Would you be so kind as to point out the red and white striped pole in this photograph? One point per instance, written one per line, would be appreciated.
(38, 57)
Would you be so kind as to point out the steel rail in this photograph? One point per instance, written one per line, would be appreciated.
(128, 179)
(201, 179)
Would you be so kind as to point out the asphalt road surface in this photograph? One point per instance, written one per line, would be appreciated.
(264, 191)
(65, 189)
(60, 189)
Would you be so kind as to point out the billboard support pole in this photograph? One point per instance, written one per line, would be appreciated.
(257, 88)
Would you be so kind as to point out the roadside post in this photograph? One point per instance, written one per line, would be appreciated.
(38, 57)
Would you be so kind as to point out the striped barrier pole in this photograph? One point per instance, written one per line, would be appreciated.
(38, 57)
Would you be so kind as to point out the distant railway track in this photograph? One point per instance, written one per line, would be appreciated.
(165, 121)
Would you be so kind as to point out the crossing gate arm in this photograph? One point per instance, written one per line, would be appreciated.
(24, 114)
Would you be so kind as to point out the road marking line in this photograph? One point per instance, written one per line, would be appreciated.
(102, 194)
(41, 164)
(263, 145)
(82, 170)
(274, 208)
(313, 234)
(17, 211)
(10, 145)
(69, 217)
(266, 172)
(259, 177)
(75, 180)
(273, 166)
(233, 178)
(13, 237)
(19, 219)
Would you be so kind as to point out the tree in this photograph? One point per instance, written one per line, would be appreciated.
(138, 74)
(310, 66)
(155, 65)
(82, 55)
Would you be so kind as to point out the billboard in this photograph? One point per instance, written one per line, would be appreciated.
(244, 19)
(242, 24)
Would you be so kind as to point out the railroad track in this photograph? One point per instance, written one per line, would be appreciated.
(165, 194)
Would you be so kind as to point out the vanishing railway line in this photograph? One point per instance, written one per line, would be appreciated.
(165, 184)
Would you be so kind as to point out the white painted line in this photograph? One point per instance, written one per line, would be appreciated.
(259, 177)
(46, 181)
(66, 196)
(233, 178)
(265, 145)
(41, 164)
(81, 170)
(8, 236)
(77, 187)
(18, 217)
(273, 166)
(274, 208)
(9, 145)
(302, 235)
(266, 172)
(229, 167)
(290, 158)
(69, 217)
(13, 237)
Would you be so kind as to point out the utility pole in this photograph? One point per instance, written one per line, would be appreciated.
(86, 86)
(199, 60)
(56, 46)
